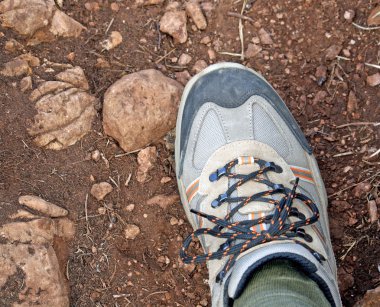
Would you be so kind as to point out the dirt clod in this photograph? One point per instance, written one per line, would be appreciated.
(131, 231)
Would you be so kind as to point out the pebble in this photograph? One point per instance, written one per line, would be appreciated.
(173, 221)
(184, 59)
(115, 7)
(165, 180)
(12, 45)
(332, 52)
(321, 74)
(131, 231)
(211, 54)
(183, 77)
(373, 80)
(101, 190)
(129, 208)
(71, 56)
(146, 159)
(349, 15)
(194, 11)
(102, 210)
(114, 40)
(265, 37)
(26, 84)
(361, 189)
(205, 40)
(92, 6)
(174, 23)
(372, 211)
(43, 206)
(95, 155)
(352, 102)
(199, 66)
(253, 50)
(164, 201)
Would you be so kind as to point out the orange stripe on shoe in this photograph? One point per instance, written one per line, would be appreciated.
(191, 196)
(304, 177)
(300, 170)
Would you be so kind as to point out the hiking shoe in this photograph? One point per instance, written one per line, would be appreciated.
(249, 183)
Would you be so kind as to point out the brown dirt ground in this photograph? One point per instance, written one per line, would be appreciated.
(104, 269)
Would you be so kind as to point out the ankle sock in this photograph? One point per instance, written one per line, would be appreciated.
(280, 283)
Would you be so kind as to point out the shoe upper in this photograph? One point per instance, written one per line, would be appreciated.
(230, 113)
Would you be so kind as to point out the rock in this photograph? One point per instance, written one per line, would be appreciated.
(115, 7)
(164, 201)
(38, 20)
(23, 214)
(131, 231)
(28, 256)
(95, 155)
(352, 102)
(265, 37)
(12, 45)
(194, 11)
(372, 211)
(165, 180)
(149, 2)
(129, 208)
(114, 40)
(253, 50)
(65, 26)
(92, 6)
(370, 299)
(373, 80)
(101, 190)
(65, 110)
(332, 52)
(16, 68)
(199, 66)
(211, 54)
(173, 221)
(26, 84)
(71, 56)
(205, 40)
(321, 75)
(362, 189)
(173, 6)
(42, 206)
(183, 77)
(184, 59)
(174, 23)
(349, 15)
(140, 108)
(146, 159)
(374, 17)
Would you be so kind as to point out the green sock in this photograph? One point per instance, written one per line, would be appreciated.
(279, 283)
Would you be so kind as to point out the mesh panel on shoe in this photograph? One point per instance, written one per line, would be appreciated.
(266, 131)
(210, 138)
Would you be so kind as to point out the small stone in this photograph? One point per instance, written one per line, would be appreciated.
(321, 75)
(26, 84)
(100, 190)
(131, 231)
(253, 50)
(172, 6)
(174, 24)
(362, 189)
(211, 55)
(71, 56)
(205, 40)
(349, 15)
(173, 221)
(203, 302)
(129, 208)
(346, 53)
(184, 59)
(95, 155)
(146, 159)
(102, 63)
(102, 210)
(373, 80)
(352, 102)
(164, 201)
(199, 66)
(114, 40)
(332, 52)
(115, 7)
(183, 77)
(255, 40)
(16, 68)
(372, 211)
(12, 45)
(194, 11)
(42, 206)
(265, 37)
(165, 180)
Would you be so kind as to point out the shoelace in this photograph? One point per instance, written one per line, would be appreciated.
(240, 236)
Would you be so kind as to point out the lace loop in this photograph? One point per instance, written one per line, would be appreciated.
(241, 236)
